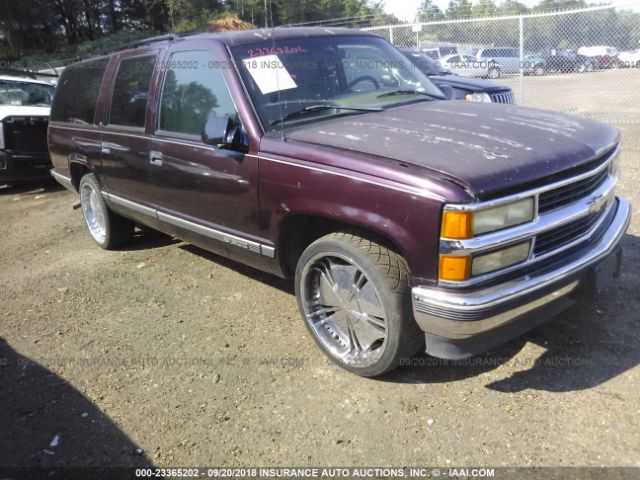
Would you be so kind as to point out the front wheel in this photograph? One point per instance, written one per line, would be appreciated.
(108, 229)
(354, 296)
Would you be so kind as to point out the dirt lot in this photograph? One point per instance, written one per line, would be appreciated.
(162, 353)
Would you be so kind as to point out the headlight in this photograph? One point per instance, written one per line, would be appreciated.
(478, 97)
(462, 225)
(506, 257)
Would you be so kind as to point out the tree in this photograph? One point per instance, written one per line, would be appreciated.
(459, 9)
(429, 12)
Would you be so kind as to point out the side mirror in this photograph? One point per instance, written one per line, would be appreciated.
(225, 132)
(448, 91)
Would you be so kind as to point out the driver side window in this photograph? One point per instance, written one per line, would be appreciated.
(193, 90)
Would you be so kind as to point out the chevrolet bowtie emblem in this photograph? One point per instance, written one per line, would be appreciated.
(596, 204)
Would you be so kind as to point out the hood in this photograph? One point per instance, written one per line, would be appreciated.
(474, 84)
(486, 147)
(22, 111)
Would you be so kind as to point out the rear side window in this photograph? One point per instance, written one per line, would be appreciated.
(78, 88)
(194, 89)
(131, 91)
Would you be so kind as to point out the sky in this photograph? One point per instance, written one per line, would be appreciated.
(406, 9)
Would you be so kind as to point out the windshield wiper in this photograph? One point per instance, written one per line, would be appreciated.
(407, 92)
(319, 108)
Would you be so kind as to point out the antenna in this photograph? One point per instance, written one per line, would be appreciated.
(273, 44)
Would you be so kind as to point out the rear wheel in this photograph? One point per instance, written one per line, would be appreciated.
(538, 70)
(108, 229)
(354, 296)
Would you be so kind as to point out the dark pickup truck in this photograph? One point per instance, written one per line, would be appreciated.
(323, 155)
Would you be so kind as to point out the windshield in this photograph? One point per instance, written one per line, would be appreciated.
(25, 93)
(350, 74)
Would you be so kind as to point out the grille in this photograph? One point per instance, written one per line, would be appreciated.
(26, 134)
(561, 236)
(570, 193)
(503, 97)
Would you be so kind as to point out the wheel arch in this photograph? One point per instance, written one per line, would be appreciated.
(77, 170)
(298, 230)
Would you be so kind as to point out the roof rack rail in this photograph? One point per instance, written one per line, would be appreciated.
(170, 37)
(25, 73)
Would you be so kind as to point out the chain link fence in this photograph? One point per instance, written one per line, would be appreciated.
(585, 62)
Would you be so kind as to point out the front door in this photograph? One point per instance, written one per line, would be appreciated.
(191, 180)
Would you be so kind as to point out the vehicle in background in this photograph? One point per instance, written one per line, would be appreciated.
(24, 115)
(630, 59)
(566, 61)
(604, 56)
(469, 66)
(534, 63)
(437, 53)
(508, 59)
(470, 89)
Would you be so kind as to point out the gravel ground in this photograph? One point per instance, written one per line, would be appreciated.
(161, 353)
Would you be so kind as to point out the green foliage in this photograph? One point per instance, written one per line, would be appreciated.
(39, 30)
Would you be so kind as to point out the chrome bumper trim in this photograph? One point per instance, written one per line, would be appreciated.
(459, 314)
(63, 180)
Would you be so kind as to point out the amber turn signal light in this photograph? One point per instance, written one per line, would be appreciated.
(454, 268)
(457, 225)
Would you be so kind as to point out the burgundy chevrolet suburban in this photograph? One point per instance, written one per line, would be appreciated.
(323, 155)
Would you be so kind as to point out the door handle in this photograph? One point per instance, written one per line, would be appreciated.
(155, 158)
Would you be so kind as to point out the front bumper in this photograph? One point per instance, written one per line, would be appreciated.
(24, 167)
(461, 324)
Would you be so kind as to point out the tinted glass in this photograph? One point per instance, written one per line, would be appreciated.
(194, 89)
(131, 90)
(25, 93)
(77, 91)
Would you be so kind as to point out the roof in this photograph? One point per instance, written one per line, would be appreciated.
(239, 37)
(251, 36)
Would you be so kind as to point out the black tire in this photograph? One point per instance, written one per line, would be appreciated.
(117, 230)
(539, 70)
(389, 276)
(494, 73)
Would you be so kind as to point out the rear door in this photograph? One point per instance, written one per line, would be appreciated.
(73, 136)
(125, 143)
(191, 180)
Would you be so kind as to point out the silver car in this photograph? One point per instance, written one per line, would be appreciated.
(507, 57)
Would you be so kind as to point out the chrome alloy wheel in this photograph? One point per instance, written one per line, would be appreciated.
(343, 309)
(94, 214)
